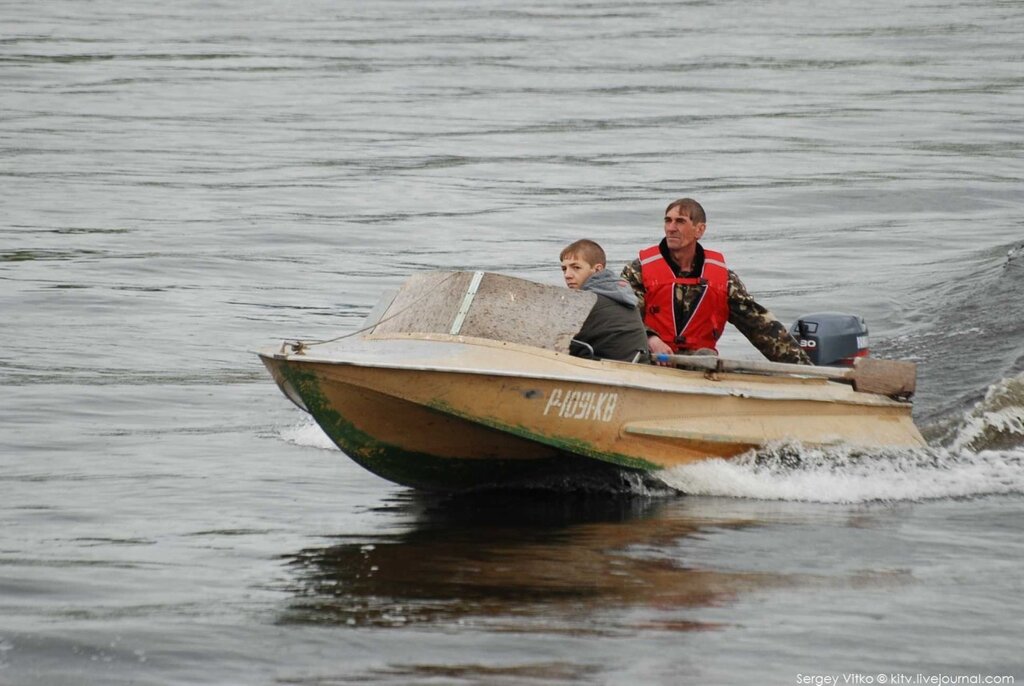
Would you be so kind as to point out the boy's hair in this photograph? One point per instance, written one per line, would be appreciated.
(691, 207)
(586, 250)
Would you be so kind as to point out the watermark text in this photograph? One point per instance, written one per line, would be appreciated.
(900, 679)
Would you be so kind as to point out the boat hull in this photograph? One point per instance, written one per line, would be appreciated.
(417, 446)
(448, 413)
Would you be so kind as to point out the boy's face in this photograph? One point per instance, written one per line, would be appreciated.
(576, 271)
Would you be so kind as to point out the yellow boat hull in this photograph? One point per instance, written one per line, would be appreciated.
(447, 412)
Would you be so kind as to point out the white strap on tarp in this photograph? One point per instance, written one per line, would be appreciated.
(467, 302)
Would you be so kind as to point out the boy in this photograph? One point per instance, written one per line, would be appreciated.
(614, 329)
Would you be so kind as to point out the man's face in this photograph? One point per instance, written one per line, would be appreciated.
(576, 271)
(680, 231)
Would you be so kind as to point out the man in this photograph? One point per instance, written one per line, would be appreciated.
(613, 329)
(687, 294)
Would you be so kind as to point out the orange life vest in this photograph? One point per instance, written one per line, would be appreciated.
(706, 322)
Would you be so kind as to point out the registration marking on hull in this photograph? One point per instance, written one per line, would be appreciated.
(583, 405)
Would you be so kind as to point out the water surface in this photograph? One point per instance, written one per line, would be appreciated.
(186, 182)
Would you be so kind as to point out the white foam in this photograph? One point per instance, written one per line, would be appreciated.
(999, 416)
(842, 476)
(1008, 420)
(986, 457)
(308, 434)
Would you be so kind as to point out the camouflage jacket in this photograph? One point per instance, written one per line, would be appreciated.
(753, 320)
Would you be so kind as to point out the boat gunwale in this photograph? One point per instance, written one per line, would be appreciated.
(811, 383)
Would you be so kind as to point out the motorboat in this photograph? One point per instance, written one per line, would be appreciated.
(463, 380)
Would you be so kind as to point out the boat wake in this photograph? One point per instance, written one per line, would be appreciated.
(836, 475)
(983, 456)
(997, 422)
(308, 434)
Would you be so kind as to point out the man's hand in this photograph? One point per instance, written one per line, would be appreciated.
(657, 347)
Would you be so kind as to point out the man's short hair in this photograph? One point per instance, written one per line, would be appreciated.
(586, 250)
(691, 207)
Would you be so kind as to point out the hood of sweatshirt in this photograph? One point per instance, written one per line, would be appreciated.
(611, 286)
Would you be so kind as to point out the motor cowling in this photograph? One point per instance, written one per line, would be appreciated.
(832, 338)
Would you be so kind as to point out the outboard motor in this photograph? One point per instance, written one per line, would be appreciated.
(830, 338)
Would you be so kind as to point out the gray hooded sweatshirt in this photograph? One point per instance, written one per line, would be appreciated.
(614, 328)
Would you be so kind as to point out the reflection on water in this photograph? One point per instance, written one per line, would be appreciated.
(518, 561)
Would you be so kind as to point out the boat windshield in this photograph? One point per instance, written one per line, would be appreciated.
(483, 305)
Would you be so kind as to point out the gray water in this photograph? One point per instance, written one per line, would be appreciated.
(186, 182)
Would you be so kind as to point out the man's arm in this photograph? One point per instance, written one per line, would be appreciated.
(760, 326)
(631, 273)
